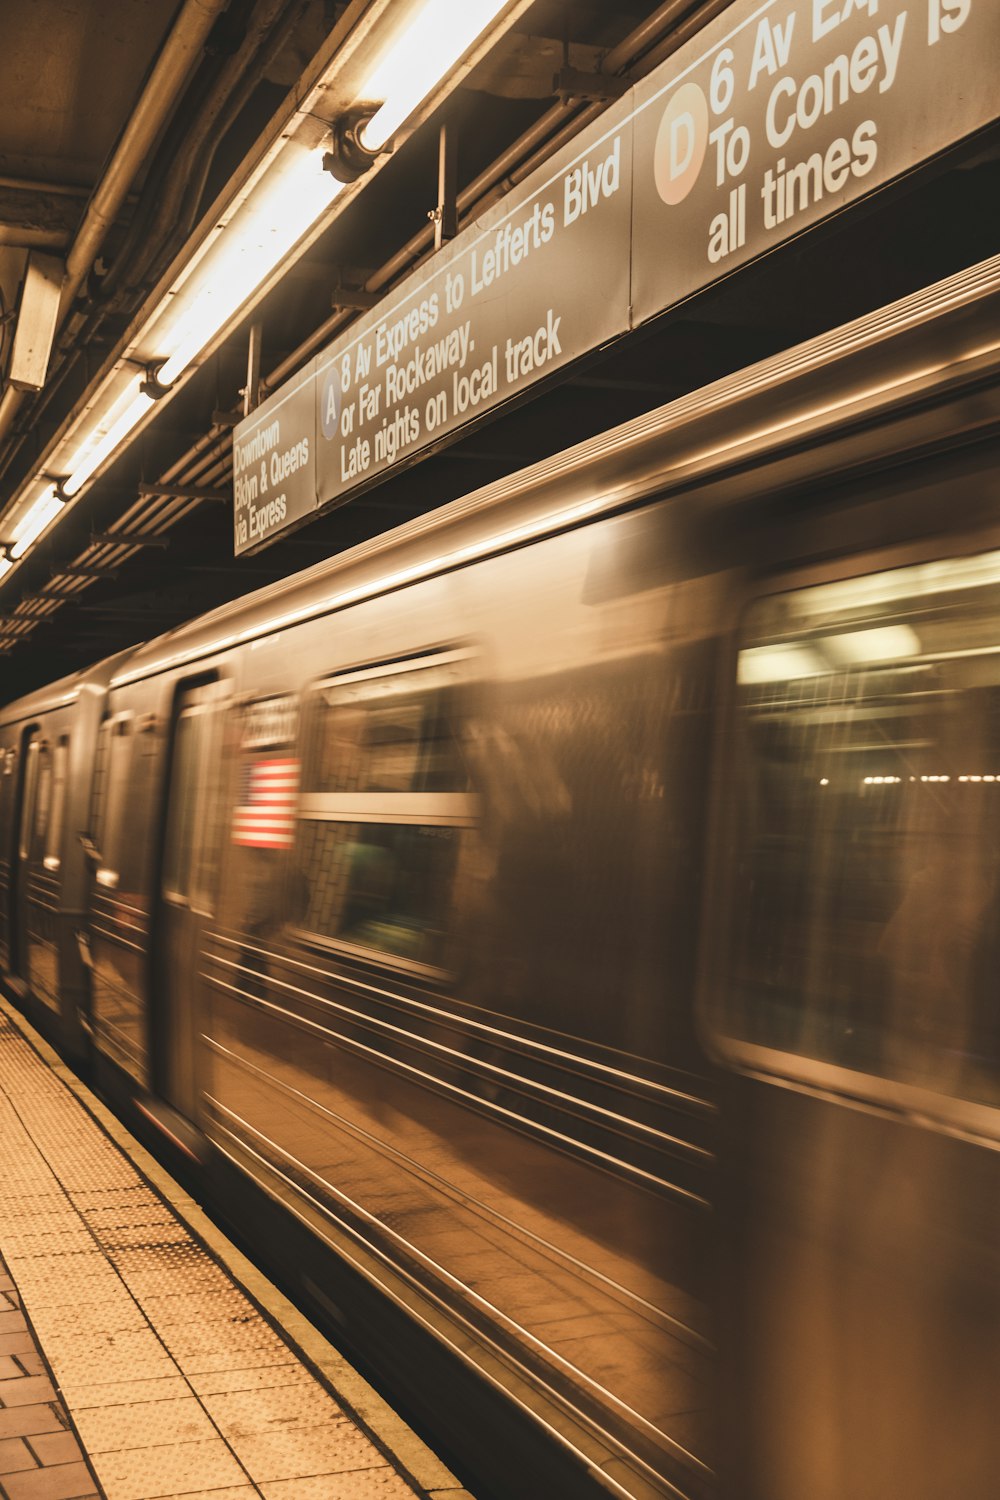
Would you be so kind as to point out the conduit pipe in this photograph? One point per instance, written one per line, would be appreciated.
(181, 51)
(178, 56)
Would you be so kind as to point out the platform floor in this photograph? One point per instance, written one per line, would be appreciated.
(140, 1355)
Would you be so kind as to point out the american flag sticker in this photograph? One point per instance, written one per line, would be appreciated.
(264, 817)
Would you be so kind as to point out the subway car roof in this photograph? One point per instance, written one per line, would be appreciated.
(67, 690)
(941, 339)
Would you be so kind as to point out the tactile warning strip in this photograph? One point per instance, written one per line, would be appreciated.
(176, 1383)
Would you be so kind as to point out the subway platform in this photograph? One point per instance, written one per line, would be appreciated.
(141, 1355)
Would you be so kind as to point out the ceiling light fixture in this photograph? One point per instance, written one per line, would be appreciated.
(102, 440)
(295, 188)
(42, 513)
(440, 33)
(284, 198)
(257, 238)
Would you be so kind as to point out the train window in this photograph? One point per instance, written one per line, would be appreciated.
(385, 801)
(43, 796)
(53, 841)
(112, 832)
(191, 848)
(183, 804)
(866, 918)
(28, 802)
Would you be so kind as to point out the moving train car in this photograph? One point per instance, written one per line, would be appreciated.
(563, 932)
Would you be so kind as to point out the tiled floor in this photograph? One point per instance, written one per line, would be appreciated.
(40, 1457)
(176, 1384)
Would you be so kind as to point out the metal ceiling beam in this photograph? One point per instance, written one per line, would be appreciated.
(184, 492)
(121, 539)
(36, 219)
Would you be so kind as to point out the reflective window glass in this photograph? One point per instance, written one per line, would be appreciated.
(113, 830)
(30, 792)
(866, 903)
(389, 734)
(53, 843)
(385, 801)
(183, 820)
(43, 796)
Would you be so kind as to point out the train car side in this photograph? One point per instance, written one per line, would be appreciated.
(418, 913)
(47, 746)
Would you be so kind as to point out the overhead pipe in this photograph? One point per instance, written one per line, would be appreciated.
(169, 207)
(181, 51)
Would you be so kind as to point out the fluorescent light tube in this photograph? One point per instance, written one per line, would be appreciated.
(44, 510)
(883, 643)
(5, 565)
(783, 663)
(89, 457)
(432, 44)
(290, 199)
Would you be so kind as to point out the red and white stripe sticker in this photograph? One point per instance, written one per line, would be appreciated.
(265, 814)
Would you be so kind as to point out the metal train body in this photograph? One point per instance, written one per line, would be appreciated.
(560, 919)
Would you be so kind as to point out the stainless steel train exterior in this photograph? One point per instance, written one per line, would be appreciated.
(574, 918)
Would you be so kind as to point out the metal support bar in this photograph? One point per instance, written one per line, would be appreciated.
(349, 290)
(81, 570)
(124, 539)
(445, 216)
(573, 83)
(183, 492)
(251, 391)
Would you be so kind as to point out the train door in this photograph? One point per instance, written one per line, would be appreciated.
(33, 785)
(8, 832)
(118, 900)
(854, 992)
(40, 868)
(186, 891)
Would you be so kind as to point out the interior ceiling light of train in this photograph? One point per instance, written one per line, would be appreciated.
(195, 198)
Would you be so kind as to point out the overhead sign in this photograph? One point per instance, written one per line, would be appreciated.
(274, 463)
(509, 301)
(780, 113)
(773, 117)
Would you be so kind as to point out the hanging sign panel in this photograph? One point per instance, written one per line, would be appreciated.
(774, 116)
(274, 463)
(538, 281)
(780, 113)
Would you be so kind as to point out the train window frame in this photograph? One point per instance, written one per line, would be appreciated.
(926, 1104)
(43, 800)
(398, 809)
(52, 858)
(120, 726)
(29, 793)
(180, 834)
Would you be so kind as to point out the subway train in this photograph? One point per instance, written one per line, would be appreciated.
(563, 933)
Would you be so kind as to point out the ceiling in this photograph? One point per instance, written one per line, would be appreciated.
(71, 72)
